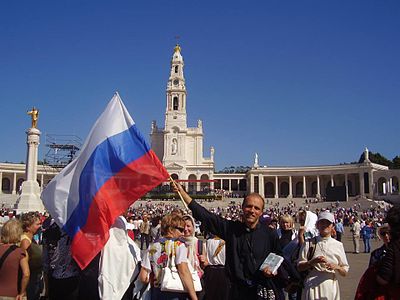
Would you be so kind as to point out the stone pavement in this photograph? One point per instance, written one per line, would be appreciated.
(358, 264)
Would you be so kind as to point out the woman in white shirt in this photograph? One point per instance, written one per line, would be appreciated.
(156, 258)
(216, 281)
(329, 259)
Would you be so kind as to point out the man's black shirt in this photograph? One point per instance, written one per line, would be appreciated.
(246, 248)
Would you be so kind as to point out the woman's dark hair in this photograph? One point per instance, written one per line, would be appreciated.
(393, 218)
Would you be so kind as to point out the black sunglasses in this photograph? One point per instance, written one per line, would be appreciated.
(181, 229)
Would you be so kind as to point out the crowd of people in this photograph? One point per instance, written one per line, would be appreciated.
(214, 253)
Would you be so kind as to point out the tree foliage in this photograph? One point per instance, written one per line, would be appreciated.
(378, 158)
(235, 169)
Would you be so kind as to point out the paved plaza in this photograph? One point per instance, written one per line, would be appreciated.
(358, 264)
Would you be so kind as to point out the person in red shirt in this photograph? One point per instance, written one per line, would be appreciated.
(11, 259)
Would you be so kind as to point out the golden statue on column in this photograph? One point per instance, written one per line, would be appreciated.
(34, 115)
(29, 198)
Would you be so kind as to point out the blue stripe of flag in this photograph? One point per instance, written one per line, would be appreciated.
(108, 158)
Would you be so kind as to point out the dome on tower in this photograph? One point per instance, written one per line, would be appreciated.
(177, 57)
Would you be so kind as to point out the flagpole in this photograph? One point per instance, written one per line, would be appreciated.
(179, 193)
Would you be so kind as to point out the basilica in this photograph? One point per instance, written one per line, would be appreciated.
(180, 149)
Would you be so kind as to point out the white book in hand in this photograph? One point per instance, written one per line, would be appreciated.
(273, 262)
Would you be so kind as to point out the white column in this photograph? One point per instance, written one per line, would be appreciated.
(370, 184)
(251, 183)
(361, 176)
(1, 182)
(14, 188)
(347, 186)
(41, 182)
(388, 187)
(261, 185)
(290, 188)
(197, 184)
(238, 187)
(318, 188)
(332, 182)
(304, 187)
(230, 185)
(276, 187)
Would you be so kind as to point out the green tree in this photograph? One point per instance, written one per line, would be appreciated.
(376, 158)
(396, 162)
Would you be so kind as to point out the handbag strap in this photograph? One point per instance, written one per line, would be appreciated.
(7, 253)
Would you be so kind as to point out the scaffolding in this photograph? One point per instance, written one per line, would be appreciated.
(61, 149)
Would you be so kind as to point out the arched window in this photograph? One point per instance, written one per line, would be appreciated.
(175, 103)
(6, 185)
(382, 186)
(243, 185)
(299, 189)
(314, 188)
(395, 185)
(19, 183)
(284, 189)
(192, 184)
(204, 186)
(176, 69)
(269, 189)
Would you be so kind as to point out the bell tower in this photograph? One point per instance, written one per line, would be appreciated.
(175, 114)
(179, 147)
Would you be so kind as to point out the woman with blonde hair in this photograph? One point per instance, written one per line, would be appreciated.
(286, 231)
(11, 259)
(30, 225)
(169, 247)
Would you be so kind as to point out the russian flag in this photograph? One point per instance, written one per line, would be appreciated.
(114, 168)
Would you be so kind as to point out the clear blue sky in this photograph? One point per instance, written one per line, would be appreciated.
(299, 82)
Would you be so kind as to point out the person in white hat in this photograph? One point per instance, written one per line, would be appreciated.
(328, 260)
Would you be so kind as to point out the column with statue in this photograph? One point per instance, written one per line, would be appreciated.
(29, 198)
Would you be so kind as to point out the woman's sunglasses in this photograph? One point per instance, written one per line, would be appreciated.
(181, 229)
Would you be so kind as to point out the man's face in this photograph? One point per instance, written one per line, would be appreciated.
(324, 227)
(302, 218)
(252, 210)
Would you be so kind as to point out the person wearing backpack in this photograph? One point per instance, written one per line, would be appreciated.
(329, 259)
(13, 260)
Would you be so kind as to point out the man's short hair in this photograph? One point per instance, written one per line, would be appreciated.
(256, 195)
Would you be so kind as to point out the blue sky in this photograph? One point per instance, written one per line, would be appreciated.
(299, 82)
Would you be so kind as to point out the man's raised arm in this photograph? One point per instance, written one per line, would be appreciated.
(214, 224)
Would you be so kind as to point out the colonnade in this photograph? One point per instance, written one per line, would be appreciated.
(11, 181)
